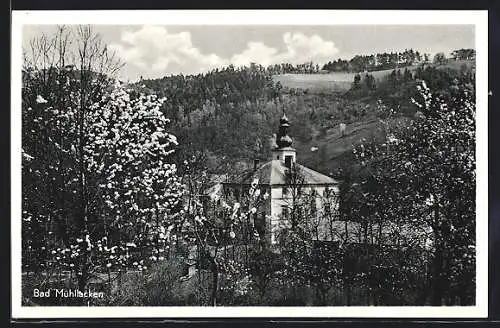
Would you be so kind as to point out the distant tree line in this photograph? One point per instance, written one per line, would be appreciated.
(377, 62)
(394, 60)
(284, 68)
(464, 54)
(401, 83)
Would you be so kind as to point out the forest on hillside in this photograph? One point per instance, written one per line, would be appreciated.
(204, 108)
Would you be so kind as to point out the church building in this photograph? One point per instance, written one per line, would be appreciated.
(280, 178)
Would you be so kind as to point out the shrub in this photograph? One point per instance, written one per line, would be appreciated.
(160, 285)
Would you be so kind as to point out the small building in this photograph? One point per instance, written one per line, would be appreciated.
(278, 178)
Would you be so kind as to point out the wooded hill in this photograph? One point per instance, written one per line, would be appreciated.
(231, 114)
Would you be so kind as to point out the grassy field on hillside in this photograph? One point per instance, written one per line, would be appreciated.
(331, 82)
(342, 81)
(324, 152)
(329, 152)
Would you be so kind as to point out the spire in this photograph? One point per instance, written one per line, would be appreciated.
(283, 139)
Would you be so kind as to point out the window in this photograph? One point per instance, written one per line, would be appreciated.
(328, 209)
(288, 161)
(185, 269)
(285, 212)
(313, 203)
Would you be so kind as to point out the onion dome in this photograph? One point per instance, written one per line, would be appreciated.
(283, 139)
(284, 121)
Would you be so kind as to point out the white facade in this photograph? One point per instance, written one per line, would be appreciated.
(280, 201)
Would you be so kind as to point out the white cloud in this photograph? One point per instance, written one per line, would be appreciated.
(154, 49)
(256, 52)
(301, 48)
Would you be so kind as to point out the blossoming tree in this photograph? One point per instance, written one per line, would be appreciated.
(99, 185)
(423, 178)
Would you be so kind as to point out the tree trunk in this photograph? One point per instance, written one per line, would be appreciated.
(437, 276)
(322, 291)
(262, 293)
(215, 282)
(348, 292)
(82, 282)
(110, 289)
(347, 289)
(346, 231)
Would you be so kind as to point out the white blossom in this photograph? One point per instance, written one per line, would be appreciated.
(40, 100)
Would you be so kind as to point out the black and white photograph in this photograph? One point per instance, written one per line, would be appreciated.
(246, 163)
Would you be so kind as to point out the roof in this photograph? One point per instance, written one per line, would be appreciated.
(274, 173)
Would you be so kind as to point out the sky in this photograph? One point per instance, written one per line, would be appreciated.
(153, 51)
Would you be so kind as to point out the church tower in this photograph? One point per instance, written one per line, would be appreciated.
(274, 179)
(284, 152)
